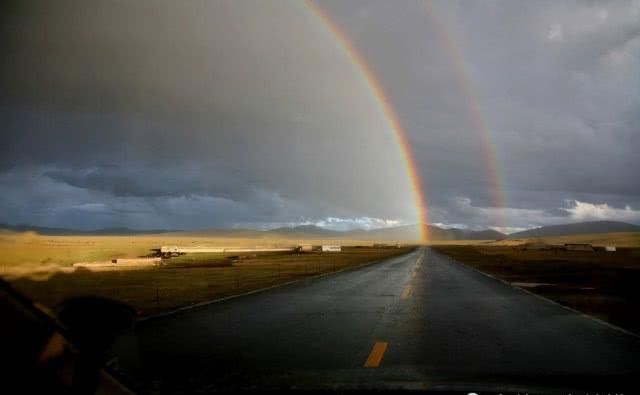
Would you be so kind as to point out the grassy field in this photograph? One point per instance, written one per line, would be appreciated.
(33, 249)
(457, 242)
(619, 239)
(602, 284)
(41, 267)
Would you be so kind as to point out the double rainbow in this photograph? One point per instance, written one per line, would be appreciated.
(471, 98)
(391, 117)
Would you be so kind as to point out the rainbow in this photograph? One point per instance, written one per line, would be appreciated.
(387, 110)
(455, 58)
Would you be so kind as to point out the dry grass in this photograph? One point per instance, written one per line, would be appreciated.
(599, 283)
(619, 239)
(33, 249)
(180, 282)
(459, 242)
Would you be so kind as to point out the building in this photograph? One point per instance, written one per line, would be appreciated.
(305, 248)
(331, 248)
(578, 247)
(178, 250)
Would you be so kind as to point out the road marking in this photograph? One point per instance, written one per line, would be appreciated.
(405, 292)
(375, 357)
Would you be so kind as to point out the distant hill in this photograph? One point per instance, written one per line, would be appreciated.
(437, 233)
(295, 232)
(406, 232)
(224, 233)
(488, 234)
(43, 230)
(399, 233)
(304, 232)
(581, 228)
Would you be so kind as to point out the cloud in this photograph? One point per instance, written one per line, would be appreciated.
(367, 223)
(583, 211)
(331, 223)
(222, 103)
(231, 113)
(518, 219)
(555, 32)
(487, 217)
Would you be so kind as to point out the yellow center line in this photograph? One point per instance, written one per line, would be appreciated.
(405, 292)
(375, 357)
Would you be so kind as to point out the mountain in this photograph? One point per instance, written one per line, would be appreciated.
(398, 233)
(225, 233)
(294, 232)
(437, 233)
(305, 231)
(405, 232)
(487, 234)
(43, 230)
(576, 229)
(410, 232)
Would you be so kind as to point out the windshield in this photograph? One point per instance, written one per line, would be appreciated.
(374, 195)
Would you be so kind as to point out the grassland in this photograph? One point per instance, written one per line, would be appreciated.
(619, 239)
(41, 267)
(598, 283)
(33, 249)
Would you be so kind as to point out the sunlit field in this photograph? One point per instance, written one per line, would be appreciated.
(32, 249)
(41, 267)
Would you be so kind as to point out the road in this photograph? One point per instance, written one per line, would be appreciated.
(416, 321)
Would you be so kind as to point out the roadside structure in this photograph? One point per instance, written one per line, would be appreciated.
(578, 247)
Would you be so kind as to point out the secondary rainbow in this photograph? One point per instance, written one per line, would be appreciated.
(470, 95)
(387, 110)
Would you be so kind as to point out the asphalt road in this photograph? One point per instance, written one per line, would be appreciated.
(416, 321)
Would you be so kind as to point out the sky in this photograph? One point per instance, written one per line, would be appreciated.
(165, 115)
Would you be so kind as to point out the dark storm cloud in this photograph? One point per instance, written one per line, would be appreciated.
(556, 84)
(191, 115)
(229, 113)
